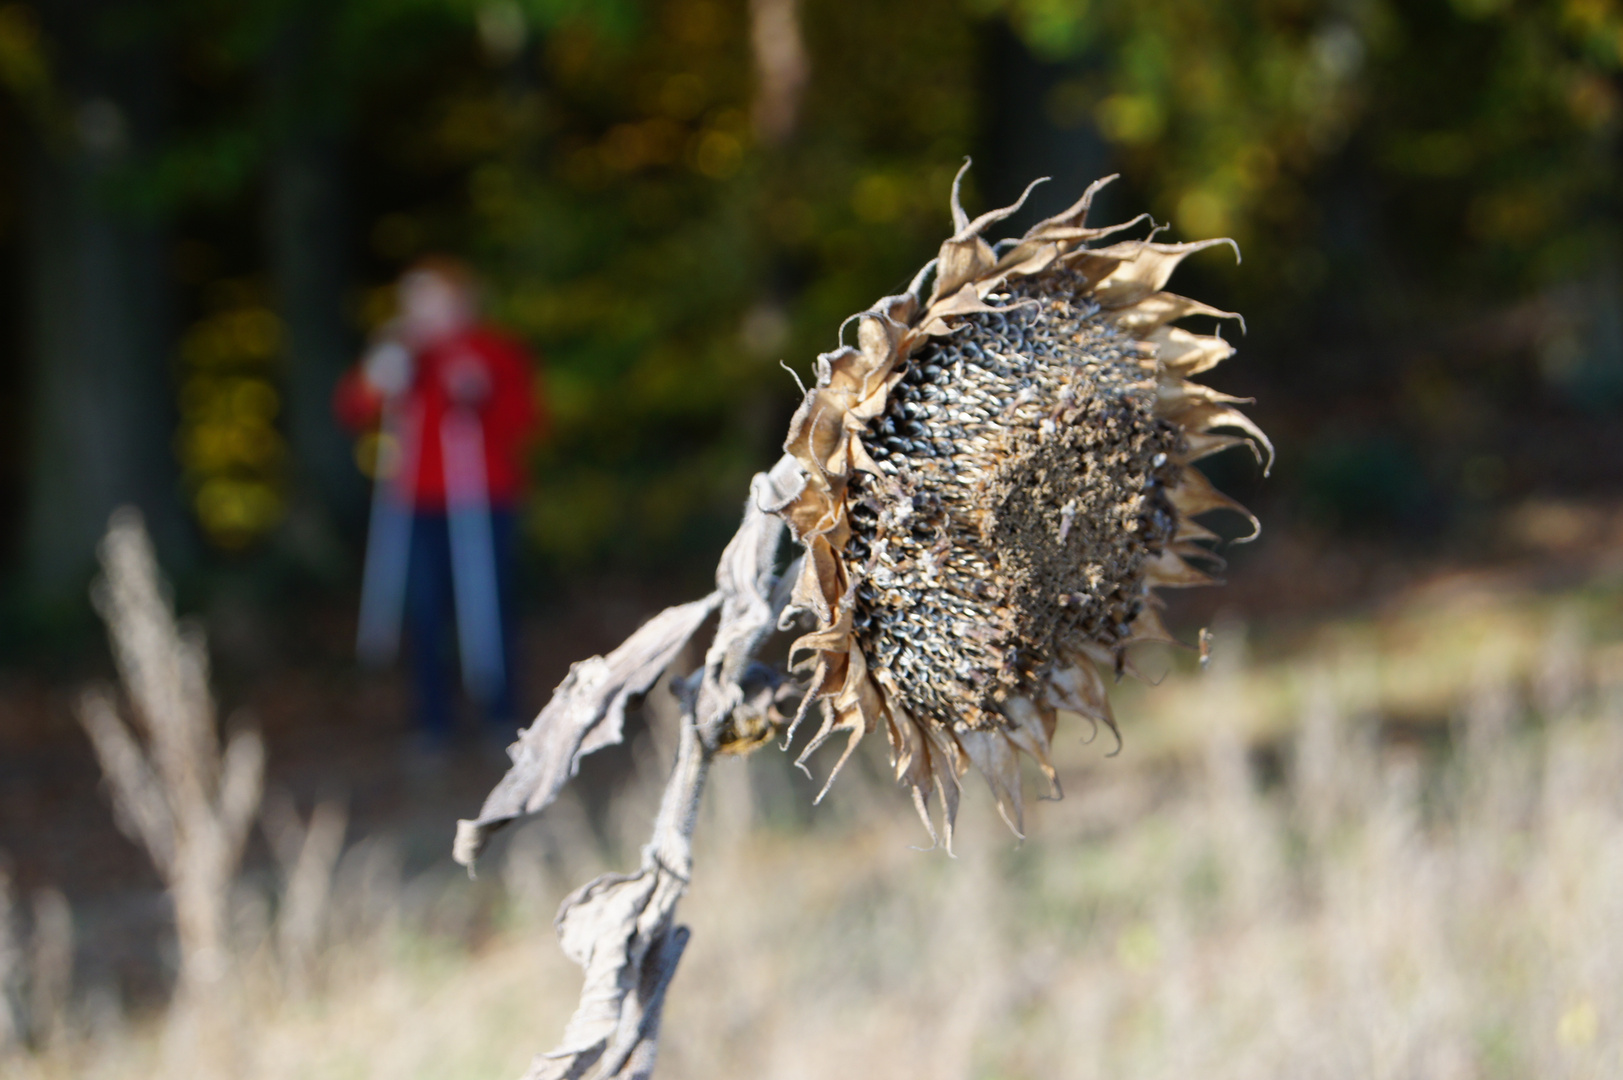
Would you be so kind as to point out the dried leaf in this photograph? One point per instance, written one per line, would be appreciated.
(620, 930)
(586, 713)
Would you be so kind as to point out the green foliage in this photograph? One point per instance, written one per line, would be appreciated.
(664, 258)
(231, 454)
(1487, 128)
(25, 66)
(1386, 166)
(598, 163)
(1426, 195)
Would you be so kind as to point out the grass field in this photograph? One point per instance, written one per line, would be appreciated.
(1387, 847)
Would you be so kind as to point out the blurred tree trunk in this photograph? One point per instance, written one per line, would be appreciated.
(309, 258)
(1029, 130)
(98, 316)
(307, 244)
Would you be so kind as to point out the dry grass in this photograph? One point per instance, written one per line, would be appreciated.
(1327, 902)
(36, 970)
(188, 801)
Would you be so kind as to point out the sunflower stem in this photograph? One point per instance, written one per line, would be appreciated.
(667, 860)
(671, 844)
(621, 927)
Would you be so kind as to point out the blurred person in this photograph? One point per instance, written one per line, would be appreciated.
(453, 404)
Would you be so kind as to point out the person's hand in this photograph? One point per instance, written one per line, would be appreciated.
(387, 368)
(467, 380)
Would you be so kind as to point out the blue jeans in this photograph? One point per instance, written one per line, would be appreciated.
(429, 615)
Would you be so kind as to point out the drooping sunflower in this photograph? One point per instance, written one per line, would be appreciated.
(997, 477)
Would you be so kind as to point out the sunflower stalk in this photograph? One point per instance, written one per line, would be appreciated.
(621, 928)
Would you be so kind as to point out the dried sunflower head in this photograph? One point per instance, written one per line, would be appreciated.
(996, 478)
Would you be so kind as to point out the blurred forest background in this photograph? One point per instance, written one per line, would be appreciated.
(202, 205)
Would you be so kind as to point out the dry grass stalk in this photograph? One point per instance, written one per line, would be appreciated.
(34, 977)
(307, 853)
(13, 971)
(189, 804)
(50, 967)
(1126, 939)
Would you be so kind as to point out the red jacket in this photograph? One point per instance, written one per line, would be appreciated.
(507, 400)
